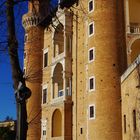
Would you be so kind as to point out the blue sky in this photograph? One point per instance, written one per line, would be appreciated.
(7, 99)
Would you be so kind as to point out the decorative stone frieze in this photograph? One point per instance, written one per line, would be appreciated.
(30, 20)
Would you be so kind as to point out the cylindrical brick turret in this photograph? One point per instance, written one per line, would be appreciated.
(108, 41)
(33, 69)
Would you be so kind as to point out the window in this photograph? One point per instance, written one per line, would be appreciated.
(124, 119)
(44, 129)
(44, 96)
(25, 38)
(91, 29)
(91, 5)
(92, 112)
(81, 130)
(134, 120)
(44, 132)
(91, 55)
(24, 71)
(46, 59)
(92, 83)
(24, 55)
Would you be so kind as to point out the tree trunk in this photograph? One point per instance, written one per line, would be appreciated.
(21, 91)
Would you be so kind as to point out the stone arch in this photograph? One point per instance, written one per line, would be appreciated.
(132, 40)
(54, 66)
(134, 48)
(57, 123)
(58, 72)
(58, 40)
(58, 80)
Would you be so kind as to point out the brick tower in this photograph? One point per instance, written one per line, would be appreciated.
(98, 51)
(78, 72)
(33, 66)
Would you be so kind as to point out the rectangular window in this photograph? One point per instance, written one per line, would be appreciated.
(24, 55)
(91, 29)
(44, 100)
(124, 119)
(81, 130)
(91, 5)
(92, 83)
(92, 112)
(25, 38)
(91, 55)
(134, 120)
(44, 129)
(46, 59)
(44, 132)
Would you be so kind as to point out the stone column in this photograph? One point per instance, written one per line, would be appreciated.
(52, 89)
(64, 85)
(65, 44)
(127, 15)
(70, 87)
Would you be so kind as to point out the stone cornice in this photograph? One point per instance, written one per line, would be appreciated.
(130, 69)
(30, 20)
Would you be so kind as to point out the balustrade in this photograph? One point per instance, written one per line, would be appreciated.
(133, 29)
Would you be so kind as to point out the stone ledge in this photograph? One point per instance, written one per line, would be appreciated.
(130, 68)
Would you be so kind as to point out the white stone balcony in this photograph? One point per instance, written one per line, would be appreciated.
(58, 58)
(57, 100)
(61, 97)
(133, 29)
